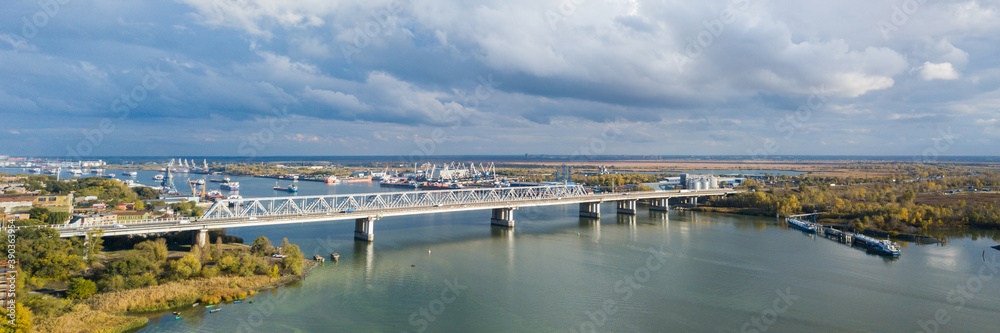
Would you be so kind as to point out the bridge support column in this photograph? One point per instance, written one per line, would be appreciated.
(201, 238)
(590, 209)
(364, 229)
(627, 207)
(693, 201)
(659, 205)
(503, 217)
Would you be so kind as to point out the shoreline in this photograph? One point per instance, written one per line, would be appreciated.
(99, 314)
(913, 238)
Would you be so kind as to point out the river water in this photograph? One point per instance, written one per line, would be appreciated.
(555, 272)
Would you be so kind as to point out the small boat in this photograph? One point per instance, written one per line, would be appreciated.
(158, 177)
(177, 317)
(210, 306)
(335, 256)
(177, 313)
(239, 301)
(291, 188)
(131, 173)
(195, 304)
(230, 186)
(251, 301)
(214, 310)
(200, 181)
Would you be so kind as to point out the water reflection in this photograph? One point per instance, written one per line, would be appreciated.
(628, 221)
(505, 235)
(591, 225)
(364, 258)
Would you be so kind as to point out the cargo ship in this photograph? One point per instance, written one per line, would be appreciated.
(291, 188)
(440, 186)
(223, 180)
(331, 180)
(403, 183)
(358, 179)
(230, 186)
(805, 226)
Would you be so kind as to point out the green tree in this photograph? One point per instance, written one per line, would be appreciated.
(80, 288)
(293, 263)
(154, 250)
(93, 245)
(261, 246)
(217, 249)
(184, 267)
(229, 263)
(131, 265)
(146, 193)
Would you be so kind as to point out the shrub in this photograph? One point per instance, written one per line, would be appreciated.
(80, 288)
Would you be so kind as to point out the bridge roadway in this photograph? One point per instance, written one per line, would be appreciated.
(250, 212)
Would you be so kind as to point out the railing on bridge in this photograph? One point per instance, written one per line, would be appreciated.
(299, 205)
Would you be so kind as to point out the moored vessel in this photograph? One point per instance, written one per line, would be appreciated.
(805, 226)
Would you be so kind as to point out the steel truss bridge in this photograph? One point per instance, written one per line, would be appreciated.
(366, 208)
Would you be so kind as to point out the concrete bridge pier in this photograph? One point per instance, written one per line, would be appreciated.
(659, 205)
(693, 201)
(364, 229)
(590, 209)
(503, 217)
(200, 238)
(627, 207)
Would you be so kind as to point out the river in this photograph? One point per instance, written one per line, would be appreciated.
(555, 272)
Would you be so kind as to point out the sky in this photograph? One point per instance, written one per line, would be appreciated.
(569, 77)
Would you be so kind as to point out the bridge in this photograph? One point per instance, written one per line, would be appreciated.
(366, 208)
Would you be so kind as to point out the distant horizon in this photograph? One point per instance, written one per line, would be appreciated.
(533, 157)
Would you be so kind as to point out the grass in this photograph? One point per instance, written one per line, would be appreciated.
(84, 319)
(174, 294)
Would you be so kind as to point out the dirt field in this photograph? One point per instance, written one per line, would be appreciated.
(949, 199)
(818, 168)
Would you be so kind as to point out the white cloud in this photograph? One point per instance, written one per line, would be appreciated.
(345, 102)
(943, 71)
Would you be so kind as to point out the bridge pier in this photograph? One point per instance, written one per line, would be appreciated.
(200, 238)
(693, 201)
(364, 229)
(659, 205)
(590, 209)
(503, 217)
(627, 207)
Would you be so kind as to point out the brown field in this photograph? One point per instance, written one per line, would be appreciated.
(951, 199)
(818, 168)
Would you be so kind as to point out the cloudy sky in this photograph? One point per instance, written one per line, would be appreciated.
(373, 77)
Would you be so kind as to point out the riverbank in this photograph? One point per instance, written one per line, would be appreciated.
(869, 232)
(118, 311)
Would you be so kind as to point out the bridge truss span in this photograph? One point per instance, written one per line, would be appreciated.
(374, 202)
